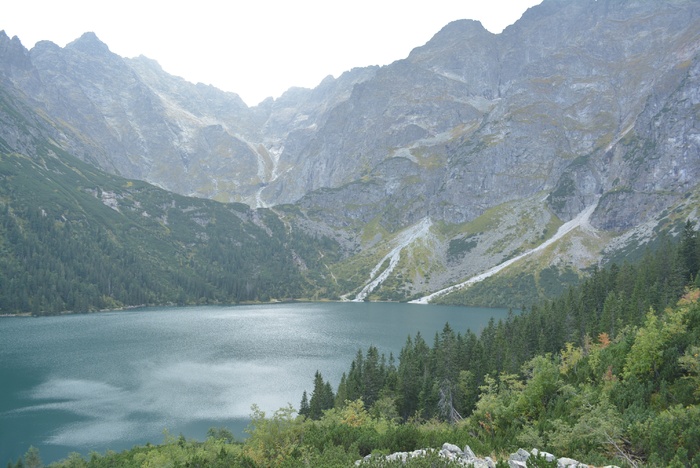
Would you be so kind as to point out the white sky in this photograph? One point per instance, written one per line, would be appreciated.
(255, 48)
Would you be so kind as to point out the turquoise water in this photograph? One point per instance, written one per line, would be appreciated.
(117, 379)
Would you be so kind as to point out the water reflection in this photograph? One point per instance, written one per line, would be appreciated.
(93, 382)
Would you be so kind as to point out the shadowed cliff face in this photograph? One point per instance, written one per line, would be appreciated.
(577, 103)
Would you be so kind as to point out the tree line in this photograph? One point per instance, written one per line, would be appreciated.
(608, 374)
(588, 347)
(63, 249)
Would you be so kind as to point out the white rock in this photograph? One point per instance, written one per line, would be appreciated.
(547, 456)
(468, 453)
(397, 456)
(564, 462)
(520, 455)
(452, 448)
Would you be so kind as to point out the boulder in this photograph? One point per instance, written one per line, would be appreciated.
(521, 455)
(564, 462)
(468, 454)
(547, 456)
(451, 452)
(452, 449)
(403, 456)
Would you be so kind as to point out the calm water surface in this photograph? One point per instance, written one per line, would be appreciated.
(114, 380)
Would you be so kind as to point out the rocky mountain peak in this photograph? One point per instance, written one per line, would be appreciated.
(89, 44)
(456, 36)
(6, 42)
(43, 46)
(460, 29)
(148, 62)
(12, 53)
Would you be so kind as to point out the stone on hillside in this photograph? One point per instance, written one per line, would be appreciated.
(564, 462)
(521, 455)
(479, 463)
(467, 457)
(468, 453)
(403, 456)
(547, 456)
(452, 448)
(451, 452)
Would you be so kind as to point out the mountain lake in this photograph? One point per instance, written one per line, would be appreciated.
(112, 380)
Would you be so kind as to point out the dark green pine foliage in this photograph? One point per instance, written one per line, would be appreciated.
(412, 374)
(373, 376)
(75, 239)
(689, 252)
(455, 376)
(322, 397)
(304, 408)
(354, 386)
(341, 395)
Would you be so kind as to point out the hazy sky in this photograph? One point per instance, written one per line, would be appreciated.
(256, 48)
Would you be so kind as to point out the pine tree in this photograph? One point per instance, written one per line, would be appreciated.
(342, 395)
(688, 251)
(321, 397)
(328, 400)
(32, 458)
(304, 409)
(372, 379)
(354, 386)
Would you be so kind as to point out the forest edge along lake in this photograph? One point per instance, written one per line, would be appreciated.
(112, 380)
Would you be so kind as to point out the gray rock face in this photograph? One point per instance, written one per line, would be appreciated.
(504, 115)
(576, 104)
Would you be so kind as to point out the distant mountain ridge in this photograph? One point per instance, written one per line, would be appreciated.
(496, 140)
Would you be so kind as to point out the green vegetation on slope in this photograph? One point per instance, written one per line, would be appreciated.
(609, 372)
(516, 289)
(75, 239)
(604, 372)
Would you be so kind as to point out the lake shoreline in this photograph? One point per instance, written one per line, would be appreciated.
(95, 381)
(246, 303)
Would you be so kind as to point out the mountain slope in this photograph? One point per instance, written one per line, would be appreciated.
(494, 141)
(75, 239)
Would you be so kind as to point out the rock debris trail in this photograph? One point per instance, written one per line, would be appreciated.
(582, 219)
(402, 241)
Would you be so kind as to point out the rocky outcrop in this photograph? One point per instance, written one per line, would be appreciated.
(452, 453)
(448, 452)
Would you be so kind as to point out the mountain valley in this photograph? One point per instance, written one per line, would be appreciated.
(385, 183)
